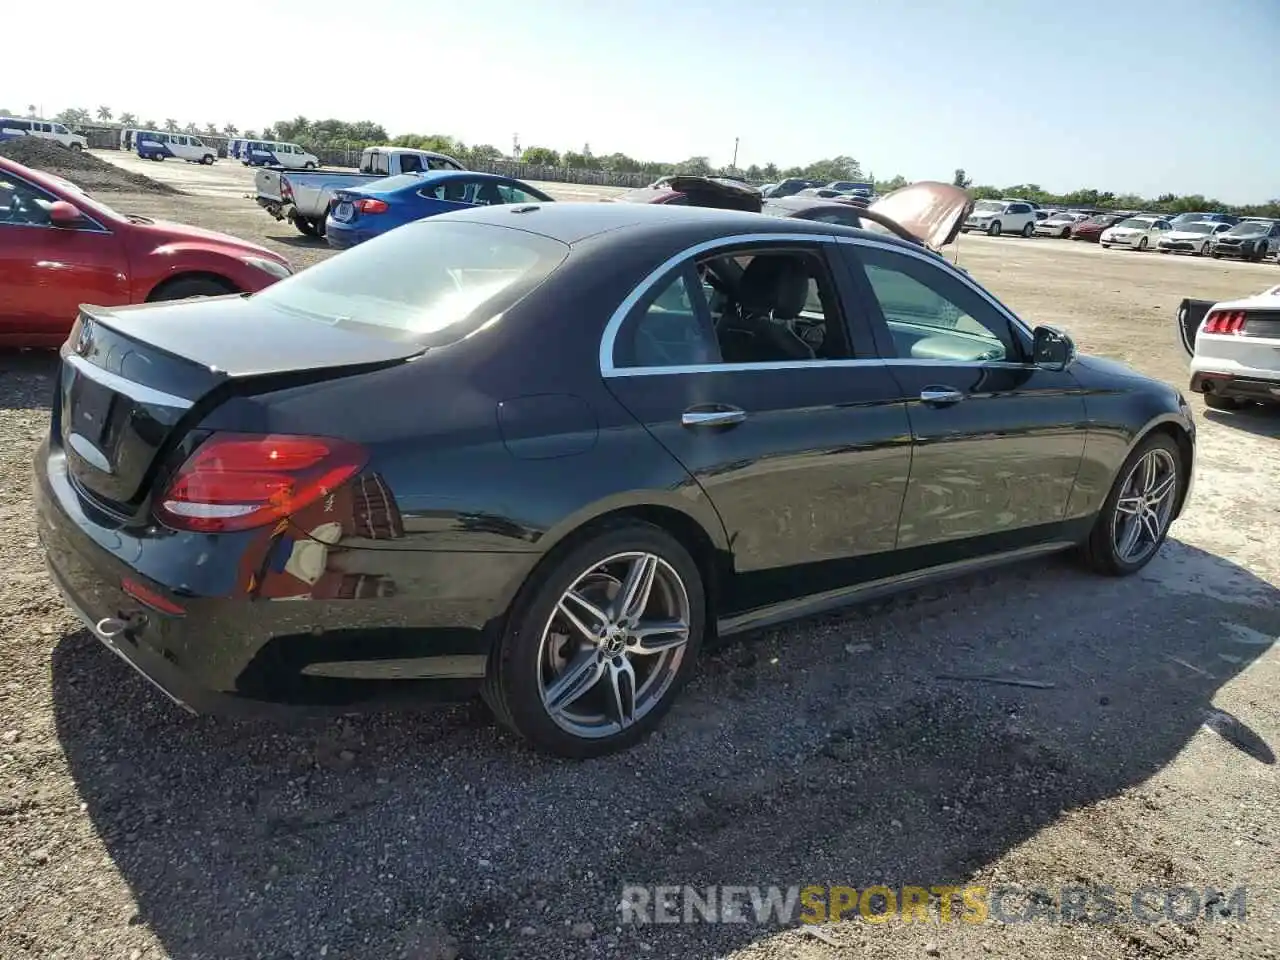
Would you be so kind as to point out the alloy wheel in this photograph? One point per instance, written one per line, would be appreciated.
(1145, 506)
(613, 645)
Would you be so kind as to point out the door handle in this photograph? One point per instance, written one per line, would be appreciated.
(941, 395)
(712, 417)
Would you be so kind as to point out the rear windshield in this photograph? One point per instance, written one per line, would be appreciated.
(1135, 224)
(434, 281)
(1197, 227)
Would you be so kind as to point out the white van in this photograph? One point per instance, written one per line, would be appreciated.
(11, 127)
(268, 153)
(154, 145)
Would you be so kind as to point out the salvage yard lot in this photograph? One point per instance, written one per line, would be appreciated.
(824, 752)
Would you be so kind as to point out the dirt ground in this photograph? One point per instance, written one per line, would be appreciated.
(826, 752)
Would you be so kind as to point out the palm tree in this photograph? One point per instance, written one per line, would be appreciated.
(230, 129)
(211, 129)
(191, 128)
(129, 119)
(31, 109)
(149, 125)
(171, 125)
(104, 114)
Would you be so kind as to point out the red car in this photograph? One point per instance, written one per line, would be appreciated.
(60, 248)
(1090, 230)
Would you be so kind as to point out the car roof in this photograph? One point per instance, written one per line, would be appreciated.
(573, 222)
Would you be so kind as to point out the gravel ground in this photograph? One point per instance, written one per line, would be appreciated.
(826, 752)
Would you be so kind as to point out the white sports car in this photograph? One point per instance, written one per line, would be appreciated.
(1235, 349)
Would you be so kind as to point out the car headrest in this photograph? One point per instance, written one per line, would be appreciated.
(775, 284)
(792, 289)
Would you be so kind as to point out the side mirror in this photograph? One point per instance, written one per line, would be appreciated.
(63, 214)
(1052, 349)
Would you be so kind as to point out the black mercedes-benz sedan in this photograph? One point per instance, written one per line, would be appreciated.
(545, 452)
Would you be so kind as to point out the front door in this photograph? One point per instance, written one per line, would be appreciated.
(791, 426)
(46, 272)
(998, 440)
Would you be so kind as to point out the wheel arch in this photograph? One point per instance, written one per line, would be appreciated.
(708, 547)
(168, 281)
(1171, 426)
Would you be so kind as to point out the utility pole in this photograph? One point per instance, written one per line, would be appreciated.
(515, 146)
(734, 165)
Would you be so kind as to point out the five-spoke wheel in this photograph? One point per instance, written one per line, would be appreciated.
(1135, 518)
(599, 642)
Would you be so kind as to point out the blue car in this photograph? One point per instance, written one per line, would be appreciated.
(367, 211)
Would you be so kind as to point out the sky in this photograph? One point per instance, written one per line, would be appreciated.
(1180, 96)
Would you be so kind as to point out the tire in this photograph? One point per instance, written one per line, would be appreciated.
(307, 227)
(1065, 235)
(538, 645)
(1261, 254)
(308, 166)
(1106, 246)
(184, 287)
(1142, 245)
(994, 229)
(207, 160)
(1028, 229)
(1104, 551)
(1203, 251)
(76, 147)
(1216, 401)
(1216, 255)
(1161, 250)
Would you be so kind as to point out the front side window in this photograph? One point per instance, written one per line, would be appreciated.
(22, 205)
(742, 307)
(932, 315)
(59, 128)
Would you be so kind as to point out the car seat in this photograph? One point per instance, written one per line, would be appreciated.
(773, 290)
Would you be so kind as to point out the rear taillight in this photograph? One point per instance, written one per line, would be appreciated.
(236, 481)
(1224, 322)
(286, 189)
(370, 205)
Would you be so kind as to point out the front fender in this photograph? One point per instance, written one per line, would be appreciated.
(176, 259)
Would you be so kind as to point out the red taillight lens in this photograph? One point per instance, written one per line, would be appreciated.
(239, 481)
(286, 189)
(1225, 322)
(370, 205)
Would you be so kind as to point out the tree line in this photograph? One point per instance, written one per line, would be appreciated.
(336, 134)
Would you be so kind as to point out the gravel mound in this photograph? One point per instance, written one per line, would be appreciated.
(81, 168)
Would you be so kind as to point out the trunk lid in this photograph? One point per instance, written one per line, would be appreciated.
(134, 380)
(929, 210)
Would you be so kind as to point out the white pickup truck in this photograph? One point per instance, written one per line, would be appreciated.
(302, 196)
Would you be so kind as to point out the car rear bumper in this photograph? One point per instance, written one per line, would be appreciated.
(1086, 237)
(276, 208)
(239, 652)
(341, 237)
(1236, 386)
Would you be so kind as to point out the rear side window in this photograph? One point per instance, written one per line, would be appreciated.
(434, 281)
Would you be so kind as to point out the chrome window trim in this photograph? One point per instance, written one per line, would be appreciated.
(610, 335)
(643, 288)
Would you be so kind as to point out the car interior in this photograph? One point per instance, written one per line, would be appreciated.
(773, 307)
(21, 206)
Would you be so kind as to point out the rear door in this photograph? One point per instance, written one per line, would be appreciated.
(46, 272)
(789, 423)
(998, 440)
